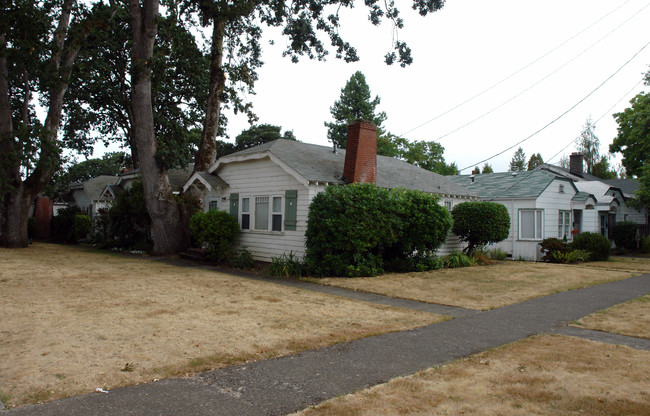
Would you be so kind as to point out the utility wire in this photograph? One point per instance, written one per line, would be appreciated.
(599, 118)
(563, 114)
(516, 72)
(542, 79)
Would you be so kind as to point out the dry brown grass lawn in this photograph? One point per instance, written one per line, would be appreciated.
(630, 318)
(545, 375)
(485, 287)
(633, 264)
(74, 320)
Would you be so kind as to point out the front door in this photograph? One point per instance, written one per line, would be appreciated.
(603, 223)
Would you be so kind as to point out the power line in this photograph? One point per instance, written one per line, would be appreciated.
(517, 71)
(542, 79)
(564, 113)
(599, 118)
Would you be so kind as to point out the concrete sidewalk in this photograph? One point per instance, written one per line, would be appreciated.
(291, 383)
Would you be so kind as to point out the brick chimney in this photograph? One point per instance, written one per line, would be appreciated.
(361, 153)
(575, 163)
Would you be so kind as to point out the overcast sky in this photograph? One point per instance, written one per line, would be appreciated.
(459, 52)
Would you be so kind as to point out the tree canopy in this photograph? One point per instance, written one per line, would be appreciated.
(633, 139)
(427, 155)
(355, 103)
(518, 161)
(535, 161)
(39, 45)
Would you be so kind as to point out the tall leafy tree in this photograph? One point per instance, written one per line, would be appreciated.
(427, 155)
(100, 93)
(633, 139)
(234, 51)
(487, 168)
(534, 161)
(518, 162)
(355, 103)
(39, 44)
(261, 134)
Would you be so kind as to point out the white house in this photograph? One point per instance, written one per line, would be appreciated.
(268, 188)
(612, 195)
(88, 195)
(541, 205)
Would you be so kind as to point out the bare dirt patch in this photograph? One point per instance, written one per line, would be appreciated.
(630, 318)
(74, 320)
(545, 375)
(483, 287)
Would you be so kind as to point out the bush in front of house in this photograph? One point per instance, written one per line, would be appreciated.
(597, 245)
(625, 235)
(363, 230)
(69, 226)
(129, 220)
(480, 223)
(551, 246)
(215, 231)
(570, 257)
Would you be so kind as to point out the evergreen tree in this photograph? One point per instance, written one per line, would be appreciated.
(354, 103)
(518, 162)
(589, 145)
(487, 168)
(534, 161)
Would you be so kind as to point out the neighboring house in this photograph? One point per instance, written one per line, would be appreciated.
(268, 188)
(541, 205)
(606, 191)
(88, 195)
(176, 177)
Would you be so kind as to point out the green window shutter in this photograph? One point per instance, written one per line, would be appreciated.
(234, 205)
(290, 210)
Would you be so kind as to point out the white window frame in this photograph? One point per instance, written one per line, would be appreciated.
(213, 205)
(252, 219)
(538, 229)
(449, 205)
(564, 224)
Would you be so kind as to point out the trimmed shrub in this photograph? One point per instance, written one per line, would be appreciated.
(215, 231)
(70, 225)
(129, 220)
(31, 227)
(551, 246)
(362, 230)
(480, 223)
(597, 245)
(83, 224)
(644, 246)
(625, 235)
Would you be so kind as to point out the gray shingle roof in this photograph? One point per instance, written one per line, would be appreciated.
(94, 187)
(318, 163)
(627, 186)
(527, 184)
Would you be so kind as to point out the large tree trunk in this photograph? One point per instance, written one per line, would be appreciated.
(169, 235)
(207, 153)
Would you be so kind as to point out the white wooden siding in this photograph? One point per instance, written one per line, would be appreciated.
(262, 177)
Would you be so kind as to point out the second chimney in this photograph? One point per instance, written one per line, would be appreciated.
(361, 153)
(575, 163)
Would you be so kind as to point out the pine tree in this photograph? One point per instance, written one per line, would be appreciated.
(534, 161)
(518, 162)
(354, 103)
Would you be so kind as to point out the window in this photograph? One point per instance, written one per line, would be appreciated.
(561, 189)
(530, 224)
(245, 214)
(449, 205)
(213, 205)
(265, 212)
(276, 215)
(564, 224)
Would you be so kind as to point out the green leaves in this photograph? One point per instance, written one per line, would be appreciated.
(480, 223)
(216, 231)
(354, 103)
(633, 139)
(362, 229)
